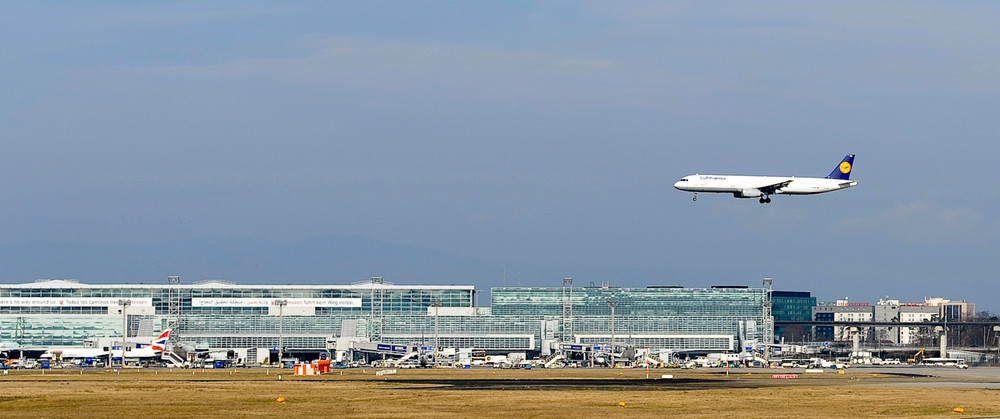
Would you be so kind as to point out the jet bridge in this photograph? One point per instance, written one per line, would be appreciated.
(379, 350)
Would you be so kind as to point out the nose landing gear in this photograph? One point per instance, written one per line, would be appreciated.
(695, 197)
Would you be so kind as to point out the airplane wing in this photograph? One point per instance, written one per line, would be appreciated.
(773, 188)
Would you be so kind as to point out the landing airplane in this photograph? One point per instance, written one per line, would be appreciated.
(764, 186)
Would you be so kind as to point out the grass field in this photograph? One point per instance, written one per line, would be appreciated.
(485, 393)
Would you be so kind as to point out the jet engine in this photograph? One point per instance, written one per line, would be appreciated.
(747, 193)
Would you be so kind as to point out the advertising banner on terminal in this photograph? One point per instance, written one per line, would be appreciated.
(71, 302)
(267, 302)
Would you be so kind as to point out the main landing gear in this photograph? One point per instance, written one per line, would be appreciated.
(765, 200)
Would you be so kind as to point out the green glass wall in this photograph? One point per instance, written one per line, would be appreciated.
(519, 318)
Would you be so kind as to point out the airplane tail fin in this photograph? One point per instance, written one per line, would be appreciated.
(161, 341)
(843, 170)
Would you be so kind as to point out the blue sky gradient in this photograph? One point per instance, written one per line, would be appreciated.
(454, 142)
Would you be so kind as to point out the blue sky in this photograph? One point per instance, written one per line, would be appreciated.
(537, 139)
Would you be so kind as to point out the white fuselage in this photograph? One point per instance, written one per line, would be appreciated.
(74, 352)
(101, 347)
(738, 184)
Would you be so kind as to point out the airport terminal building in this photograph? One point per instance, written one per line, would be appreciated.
(222, 315)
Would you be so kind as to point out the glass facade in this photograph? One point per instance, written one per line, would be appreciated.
(52, 330)
(656, 318)
(791, 306)
(639, 302)
(224, 315)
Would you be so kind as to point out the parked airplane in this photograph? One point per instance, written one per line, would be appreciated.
(764, 186)
(100, 347)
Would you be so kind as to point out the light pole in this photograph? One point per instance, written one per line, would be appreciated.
(612, 304)
(281, 328)
(124, 303)
(437, 341)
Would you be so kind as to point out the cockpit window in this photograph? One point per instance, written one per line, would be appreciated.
(683, 180)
